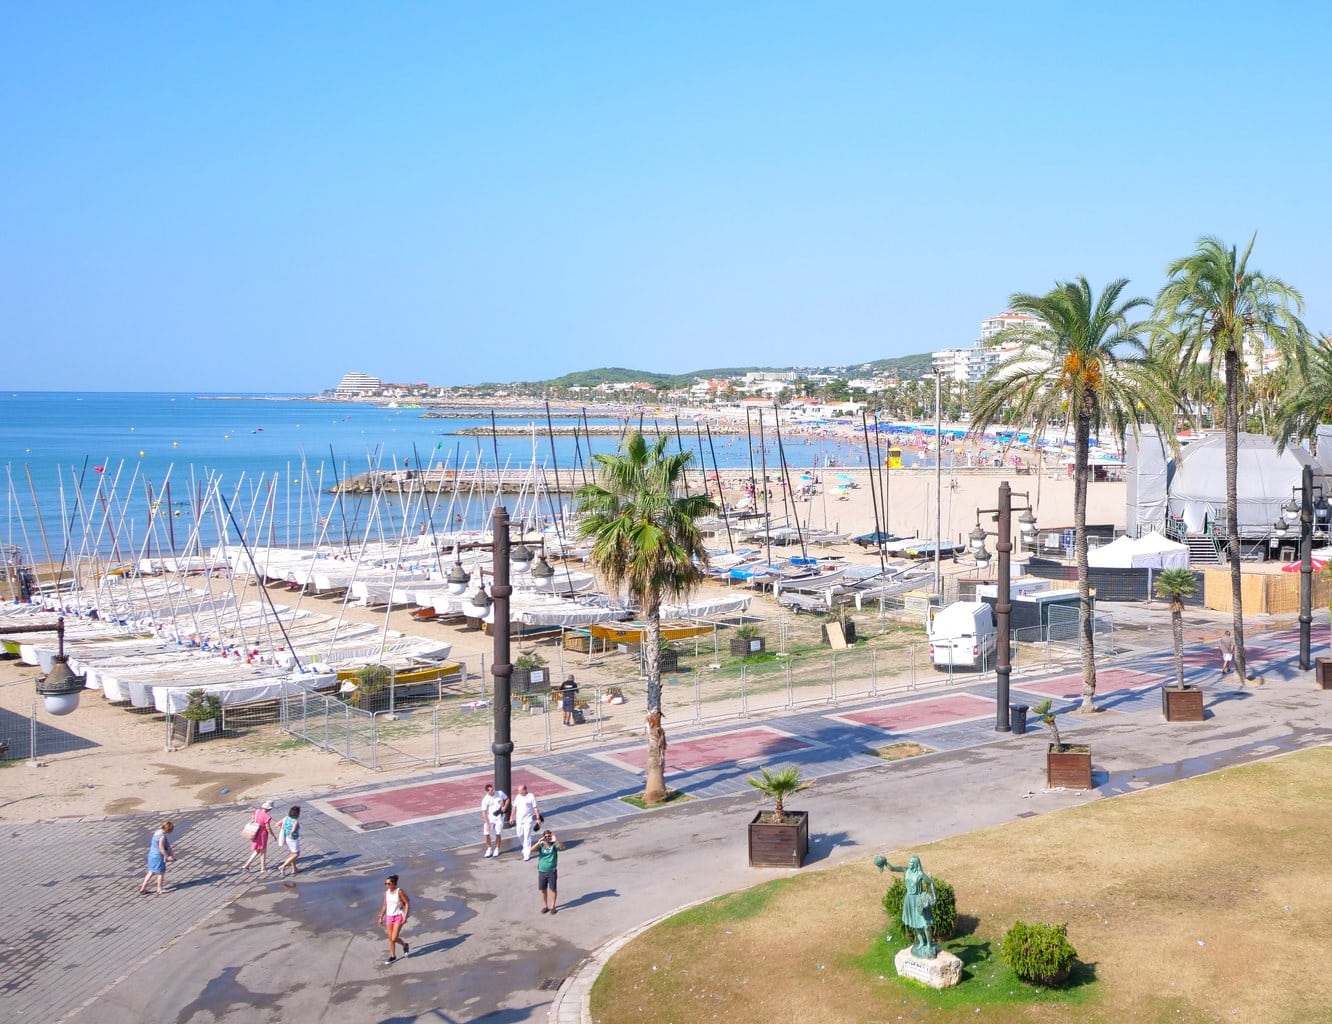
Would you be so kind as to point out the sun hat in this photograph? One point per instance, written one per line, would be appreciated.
(267, 805)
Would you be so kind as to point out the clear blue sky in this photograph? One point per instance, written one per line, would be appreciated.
(260, 197)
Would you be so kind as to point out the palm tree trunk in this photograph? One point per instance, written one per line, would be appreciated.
(1177, 630)
(654, 787)
(1232, 508)
(1086, 630)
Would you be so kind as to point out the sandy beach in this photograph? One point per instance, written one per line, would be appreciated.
(126, 767)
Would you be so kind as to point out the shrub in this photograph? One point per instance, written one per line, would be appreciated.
(529, 660)
(945, 907)
(1039, 953)
(749, 631)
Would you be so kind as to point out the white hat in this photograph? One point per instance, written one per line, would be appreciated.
(267, 805)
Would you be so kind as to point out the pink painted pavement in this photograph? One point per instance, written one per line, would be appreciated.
(922, 714)
(428, 801)
(707, 751)
(1108, 680)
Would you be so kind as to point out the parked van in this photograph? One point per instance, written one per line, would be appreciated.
(963, 635)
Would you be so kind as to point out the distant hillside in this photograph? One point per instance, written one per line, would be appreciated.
(906, 367)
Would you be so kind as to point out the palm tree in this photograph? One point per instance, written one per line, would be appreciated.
(1084, 366)
(779, 785)
(1308, 402)
(1212, 310)
(645, 539)
(1177, 584)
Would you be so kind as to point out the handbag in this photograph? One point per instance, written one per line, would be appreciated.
(250, 830)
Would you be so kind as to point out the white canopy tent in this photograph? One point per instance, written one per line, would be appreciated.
(1152, 551)
(1265, 482)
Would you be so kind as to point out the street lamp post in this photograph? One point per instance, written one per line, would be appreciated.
(1303, 512)
(1306, 564)
(1003, 605)
(500, 669)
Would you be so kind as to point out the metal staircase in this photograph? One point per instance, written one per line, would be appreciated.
(1202, 549)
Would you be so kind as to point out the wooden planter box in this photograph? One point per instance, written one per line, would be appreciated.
(1323, 673)
(1182, 703)
(779, 846)
(743, 648)
(1069, 768)
(668, 661)
(528, 680)
(185, 731)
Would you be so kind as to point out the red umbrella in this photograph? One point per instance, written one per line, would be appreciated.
(1317, 563)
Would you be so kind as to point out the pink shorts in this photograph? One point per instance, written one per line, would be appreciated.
(393, 919)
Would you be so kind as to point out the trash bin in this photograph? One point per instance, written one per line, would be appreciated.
(1017, 718)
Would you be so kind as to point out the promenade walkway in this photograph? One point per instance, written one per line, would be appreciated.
(82, 946)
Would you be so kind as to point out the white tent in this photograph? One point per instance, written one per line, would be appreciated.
(1265, 481)
(1152, 551)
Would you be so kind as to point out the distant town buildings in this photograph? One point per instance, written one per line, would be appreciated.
(970, 365)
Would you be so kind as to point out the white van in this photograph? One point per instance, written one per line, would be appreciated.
(963, 635)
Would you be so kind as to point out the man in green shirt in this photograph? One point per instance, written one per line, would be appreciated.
(548, 859)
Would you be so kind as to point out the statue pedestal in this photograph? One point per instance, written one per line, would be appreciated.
(944, 971)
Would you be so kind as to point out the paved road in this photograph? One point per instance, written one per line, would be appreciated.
(82, 946)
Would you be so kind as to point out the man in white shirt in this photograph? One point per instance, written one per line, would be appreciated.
(527, 816)
(494, 809)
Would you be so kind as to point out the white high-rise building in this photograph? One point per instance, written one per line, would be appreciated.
(354, 384)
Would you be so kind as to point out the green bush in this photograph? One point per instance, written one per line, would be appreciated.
(1039, 953)
(945, 908)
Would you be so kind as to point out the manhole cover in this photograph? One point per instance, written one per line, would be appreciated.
(551, 984)
(370, 826)
(352, 808)
(1027, 814)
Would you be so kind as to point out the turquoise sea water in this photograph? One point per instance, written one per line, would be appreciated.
(84, 466)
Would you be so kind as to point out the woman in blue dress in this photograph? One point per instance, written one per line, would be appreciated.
(159, 856)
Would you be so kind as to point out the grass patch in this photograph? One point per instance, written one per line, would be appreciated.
(1183, 902)
(899, 751)
(674, 796)
(986, 979)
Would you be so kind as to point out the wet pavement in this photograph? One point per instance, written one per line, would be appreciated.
(82, 946)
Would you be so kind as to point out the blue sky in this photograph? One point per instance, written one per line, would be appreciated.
(260, 197)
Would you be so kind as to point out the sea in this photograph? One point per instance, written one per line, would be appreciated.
(99, 472)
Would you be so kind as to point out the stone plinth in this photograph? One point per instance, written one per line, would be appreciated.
(944, 971)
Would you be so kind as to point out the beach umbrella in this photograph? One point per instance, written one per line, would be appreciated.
(1317, 563)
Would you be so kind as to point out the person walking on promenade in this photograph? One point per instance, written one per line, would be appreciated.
(159, 856)
(527, 816)
(568, 690)
(1227, 647)
(494, 811)
(393, 915)
(290, 837)
(263, 832)
(548, 861)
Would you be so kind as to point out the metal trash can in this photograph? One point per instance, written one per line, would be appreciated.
(1017, 718)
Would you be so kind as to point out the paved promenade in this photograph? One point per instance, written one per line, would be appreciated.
(82, 946)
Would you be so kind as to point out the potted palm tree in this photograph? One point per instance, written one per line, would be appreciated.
(1179, 703)
(201, 719)
(1067, 765)
(529, 672)
(643, 525)
(746, 640)
(779, 838)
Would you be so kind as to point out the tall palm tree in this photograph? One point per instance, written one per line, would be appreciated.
(1086, 367)
(1210, 310)
(645, 539)
(1177, 584)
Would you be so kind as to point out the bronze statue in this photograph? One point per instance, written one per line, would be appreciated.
(918, 906)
